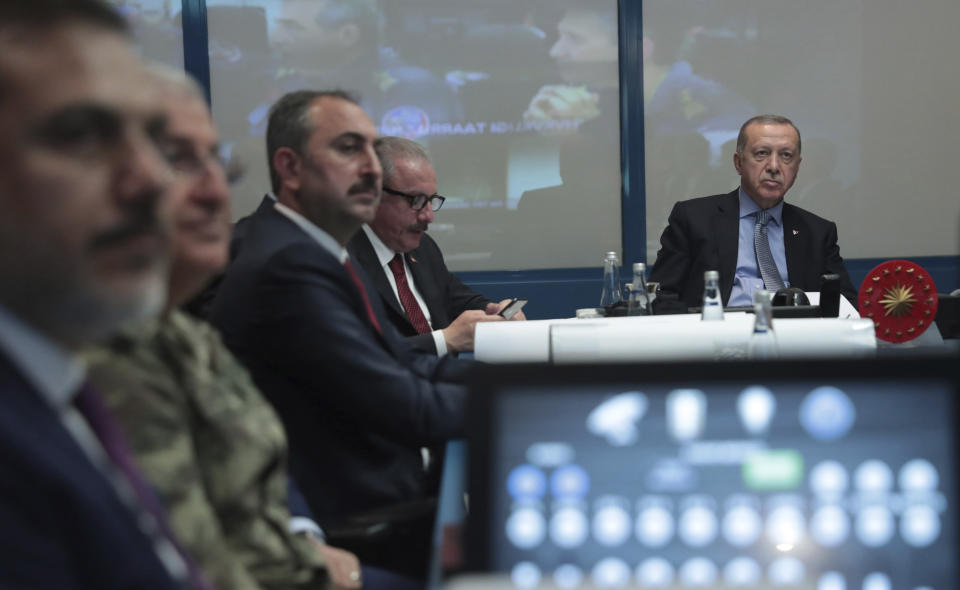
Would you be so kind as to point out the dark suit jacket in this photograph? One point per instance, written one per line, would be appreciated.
(703, 234)
(63, 525)
(199, 306)
(446, 297)
(357, 404)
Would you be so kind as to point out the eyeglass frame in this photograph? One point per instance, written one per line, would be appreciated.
(412, 199)
(188, 163)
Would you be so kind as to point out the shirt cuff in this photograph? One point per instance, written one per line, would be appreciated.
(440, 342)
(302, 524)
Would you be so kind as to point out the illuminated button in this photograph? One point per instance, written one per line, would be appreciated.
(756, 406)
(686, 413)
(773, 470)
(698, 526)
(567, 576)
(742, 526)
(828, 478)
(568, 528)
(526, 528)
(616, 418)
(786, 571)
(655, 526)
(611, 573)
(829, 526)
(874, 526)
(877, 581)
(741, 571)
(698, 571)
(655, 572)
(526, 482)
(611, 526)
(827, 413)
(785, 526)
(918, 475)
(550, 454)
(832, 581)
(525, 575)
(873, 476)
(919, 525)
(569, 482)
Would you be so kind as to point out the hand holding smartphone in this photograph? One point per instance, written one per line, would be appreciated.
(509, 310)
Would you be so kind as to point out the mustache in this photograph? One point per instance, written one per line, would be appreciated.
(367, 184)
(143, 222)
(418, 227)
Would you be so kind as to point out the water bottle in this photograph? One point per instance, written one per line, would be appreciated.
(763, 341)
(639, 303)
(712, 304)
(611, 280)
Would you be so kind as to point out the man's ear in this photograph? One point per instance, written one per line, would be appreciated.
(287, 164)
(736, 162)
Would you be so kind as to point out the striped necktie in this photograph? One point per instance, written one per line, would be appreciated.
(768, 267)
(150, 515)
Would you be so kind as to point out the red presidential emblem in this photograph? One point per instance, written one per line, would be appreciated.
(901, 299)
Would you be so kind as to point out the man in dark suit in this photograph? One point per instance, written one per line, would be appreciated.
(750, 235)
(357, 401)
(82, 249)
(424, 300)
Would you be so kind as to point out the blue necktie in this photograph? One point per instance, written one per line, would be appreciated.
(768, 267)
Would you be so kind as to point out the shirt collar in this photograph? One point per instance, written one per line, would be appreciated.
(384, 253)
(748, 207)
(326, 241)
(53, 370)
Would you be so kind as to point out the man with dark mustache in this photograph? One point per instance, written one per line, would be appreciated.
(357, 402)
(424, 301)
(754, 239)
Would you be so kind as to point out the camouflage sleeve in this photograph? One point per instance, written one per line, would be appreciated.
(154, 412)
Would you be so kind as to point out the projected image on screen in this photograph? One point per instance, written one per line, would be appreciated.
(517, 101)
(157, 28)
(828, 486)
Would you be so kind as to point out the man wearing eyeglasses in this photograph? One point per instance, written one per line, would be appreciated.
(424, 300)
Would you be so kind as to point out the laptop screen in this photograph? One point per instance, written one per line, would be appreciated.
(815, 475)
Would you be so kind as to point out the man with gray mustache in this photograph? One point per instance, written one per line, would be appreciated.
(357, 401)
(424, 301)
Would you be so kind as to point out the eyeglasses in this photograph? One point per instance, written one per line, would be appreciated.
(184, 159)
(418, 202)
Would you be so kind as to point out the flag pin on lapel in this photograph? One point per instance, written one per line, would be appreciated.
(796, 231)
(414, 260)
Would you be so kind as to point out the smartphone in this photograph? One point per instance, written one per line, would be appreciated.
(512, 308)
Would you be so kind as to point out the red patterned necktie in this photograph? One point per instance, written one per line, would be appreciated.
(407, 299)
(363, 294)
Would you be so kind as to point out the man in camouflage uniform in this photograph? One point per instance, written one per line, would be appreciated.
(213, 448)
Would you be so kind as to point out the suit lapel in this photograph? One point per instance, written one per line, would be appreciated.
(367, 258)
(727, 229)
(795, 241)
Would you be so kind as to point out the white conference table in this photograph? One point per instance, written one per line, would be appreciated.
(666, 338)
